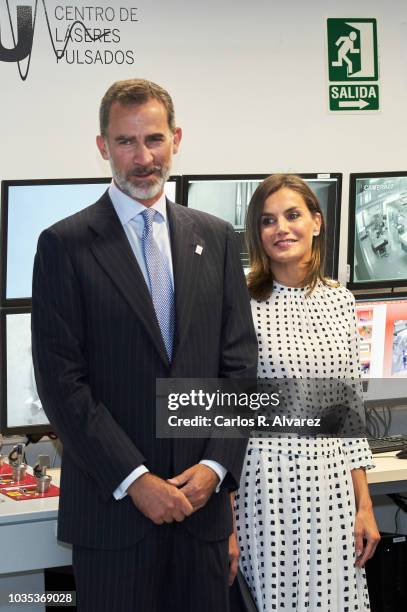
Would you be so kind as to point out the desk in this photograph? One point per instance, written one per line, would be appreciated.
(379, 245)
(389, 475)
(28, 534)
(28, 528)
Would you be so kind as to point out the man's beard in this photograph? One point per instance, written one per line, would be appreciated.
(144, 190)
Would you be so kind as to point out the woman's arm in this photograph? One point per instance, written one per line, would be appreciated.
(366, 533)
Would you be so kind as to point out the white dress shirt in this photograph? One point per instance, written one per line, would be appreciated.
(129, 212)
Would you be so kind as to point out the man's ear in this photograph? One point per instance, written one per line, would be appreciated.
(176, 139)
(101, 144)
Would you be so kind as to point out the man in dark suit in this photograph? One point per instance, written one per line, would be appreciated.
(131, 289)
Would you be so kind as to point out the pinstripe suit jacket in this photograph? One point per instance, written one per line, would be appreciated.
(98, 350)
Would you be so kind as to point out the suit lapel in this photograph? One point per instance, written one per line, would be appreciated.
(113, 252)
(186, 264)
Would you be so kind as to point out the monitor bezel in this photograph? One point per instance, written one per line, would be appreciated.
(4, 428)
(22, 302)
(334, 215)
(352, 284)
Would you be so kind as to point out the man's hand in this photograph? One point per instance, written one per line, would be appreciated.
(234, 553)
(158, 500)
(197, 483)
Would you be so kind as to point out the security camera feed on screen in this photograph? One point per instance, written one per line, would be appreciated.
(31, 208)
(23, 406)
(380, 230)
(228, 198)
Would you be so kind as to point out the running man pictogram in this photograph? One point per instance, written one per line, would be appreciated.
(346, 46)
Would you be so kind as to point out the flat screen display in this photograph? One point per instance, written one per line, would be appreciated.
(377, 253)
(21, 407)
(382, 329)
(29, 207)
(228, 197)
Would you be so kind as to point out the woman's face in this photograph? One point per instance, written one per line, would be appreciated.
(287, 228)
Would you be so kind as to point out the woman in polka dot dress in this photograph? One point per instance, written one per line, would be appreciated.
(304, 516)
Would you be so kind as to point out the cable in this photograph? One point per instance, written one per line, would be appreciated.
(378, 421)
(372, 423)
(399, 500)
(396, 520)
(389, 415)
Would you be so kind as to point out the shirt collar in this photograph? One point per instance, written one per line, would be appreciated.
(127, 208)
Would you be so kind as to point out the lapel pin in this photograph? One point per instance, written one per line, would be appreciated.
(198, 249)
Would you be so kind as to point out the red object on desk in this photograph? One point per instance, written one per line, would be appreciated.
(15, 490)
(21, 495)
(28, 480)
(6, 470)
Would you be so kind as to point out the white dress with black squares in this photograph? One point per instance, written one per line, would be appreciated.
(295, 507)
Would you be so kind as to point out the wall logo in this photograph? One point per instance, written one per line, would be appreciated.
(352, 62)
(25, 35)
(85, 35)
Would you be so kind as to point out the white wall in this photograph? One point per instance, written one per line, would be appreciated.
(249, 80)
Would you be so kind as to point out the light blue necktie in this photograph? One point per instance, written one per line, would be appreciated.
(162, 293)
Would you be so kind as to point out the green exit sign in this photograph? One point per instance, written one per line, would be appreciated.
(353, 64)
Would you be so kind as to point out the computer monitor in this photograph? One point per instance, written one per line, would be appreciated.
(382, 329)
(228, 195)
(377, 241)
(27, 208)
(21, 409)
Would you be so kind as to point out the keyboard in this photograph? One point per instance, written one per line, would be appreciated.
(387, 444)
